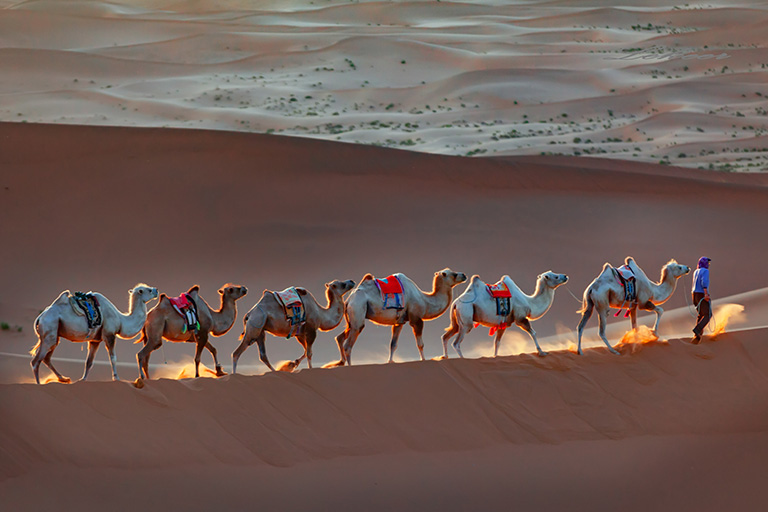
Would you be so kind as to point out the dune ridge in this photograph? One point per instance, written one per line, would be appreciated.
(282, 420)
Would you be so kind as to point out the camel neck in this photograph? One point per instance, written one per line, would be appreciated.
(132, 322)
(664, 288)
(332, 313)
(223, 319)
(437, 300)
(541, 300)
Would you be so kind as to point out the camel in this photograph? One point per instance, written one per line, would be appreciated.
(60, 320)
(606, 292)
(365, 302)
(477, 305)
(268, 316)
(164, 322)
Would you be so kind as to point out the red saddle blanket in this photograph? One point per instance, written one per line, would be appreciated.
(390, 284)
(499, 290)
(180, 302)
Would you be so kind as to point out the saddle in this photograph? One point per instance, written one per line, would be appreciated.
(501, 293)
(293, 307)
(627, 280)
(87, 305)
(391, 292)
(185, 306)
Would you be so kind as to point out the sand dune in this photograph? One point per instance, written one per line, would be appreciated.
(181, 142)
(476, 78)
(276, 427)
(289, 211)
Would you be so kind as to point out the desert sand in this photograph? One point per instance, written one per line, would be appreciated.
(651, 81)
(158, 142)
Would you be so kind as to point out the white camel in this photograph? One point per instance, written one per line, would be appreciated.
(60, 320)
(476, 305)
(365, 302)
(606, 292)
(268, 315)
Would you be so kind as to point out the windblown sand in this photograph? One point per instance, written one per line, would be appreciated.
(103, 184)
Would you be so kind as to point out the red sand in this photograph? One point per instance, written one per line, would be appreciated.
(669, 427)
(666, 427)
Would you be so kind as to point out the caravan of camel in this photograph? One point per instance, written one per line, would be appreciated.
(393, 301)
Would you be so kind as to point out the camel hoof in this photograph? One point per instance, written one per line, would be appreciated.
(138, 383)
(65, 380)
(220, 372)
(616, 352)
(542, 353)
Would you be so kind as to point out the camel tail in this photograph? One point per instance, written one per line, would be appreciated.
(245, 322)
(37, 345)
(587, 305)
(142, 338)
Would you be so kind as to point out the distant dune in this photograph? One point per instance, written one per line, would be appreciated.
(655, 82)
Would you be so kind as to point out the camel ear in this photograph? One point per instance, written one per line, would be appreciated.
(328, 285)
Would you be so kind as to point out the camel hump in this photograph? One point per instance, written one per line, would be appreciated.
(628, 260)
(368, 277)
(194, 289)
(302, 291)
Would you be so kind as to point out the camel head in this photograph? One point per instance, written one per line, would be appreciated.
(552, 280)
(233, 291)
(340, 287)
(674, 269)
(143, 292)
(449, 278)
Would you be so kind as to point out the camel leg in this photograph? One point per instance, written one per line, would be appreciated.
(585, 315)
(142, 357)
(497, 340)
(418, 328)
(458, 340)
(350, 342)
(237, 353)
(219, 371)
(396, 329)
(45, 349)
(49, 364)
(633, 317)
(309, 339)
(525, 325)
(246, 342)
(109, 341)
(200, 340)
(340, 339)
(452, 330)
(601, 317)
(658, 310)
(261, 340)
(93, 347)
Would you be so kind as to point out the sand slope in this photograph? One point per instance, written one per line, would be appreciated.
(367, 421)
(103, 208)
